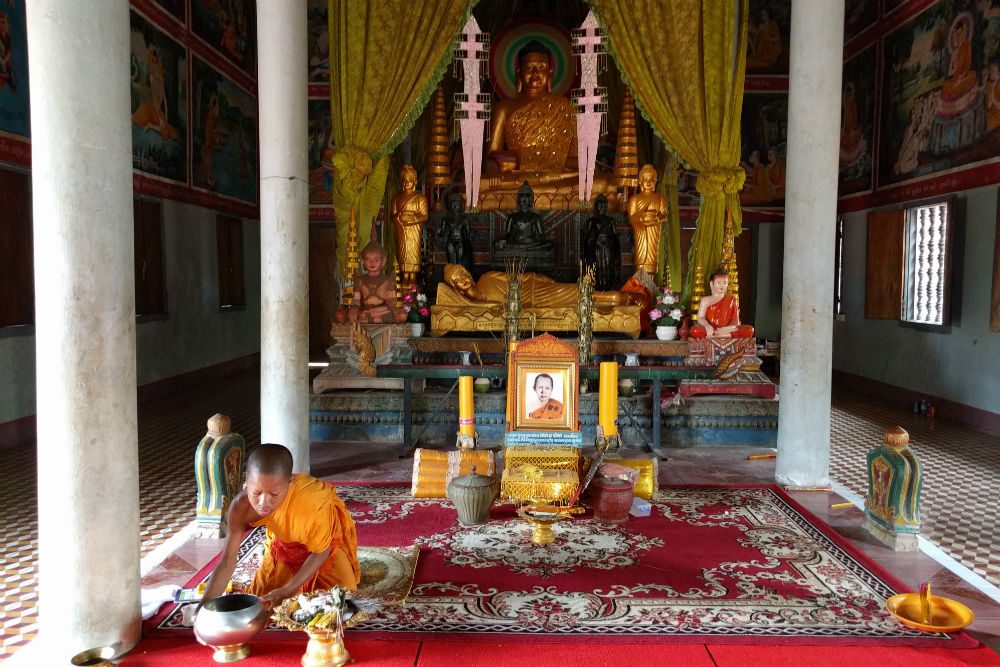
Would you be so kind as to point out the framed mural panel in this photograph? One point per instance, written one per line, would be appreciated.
(320, 153)
(857, 122)
(767, 37)
(229, 27)
(763, 131)
(858, 16)
(319, 42)
(159, 84)
(15, 114)
(941, 91)
(224, 126)
(176, 8)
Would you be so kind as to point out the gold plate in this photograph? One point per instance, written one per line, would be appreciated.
(946, 615)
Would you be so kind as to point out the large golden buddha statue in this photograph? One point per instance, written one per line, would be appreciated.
(534, 140)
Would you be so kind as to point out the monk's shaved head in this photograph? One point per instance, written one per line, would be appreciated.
(270, 459)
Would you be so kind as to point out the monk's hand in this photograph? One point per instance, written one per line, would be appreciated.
(277, 596)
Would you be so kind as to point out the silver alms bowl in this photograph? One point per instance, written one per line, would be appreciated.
(227, 623)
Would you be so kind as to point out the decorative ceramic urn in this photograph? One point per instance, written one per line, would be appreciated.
(472, 495)
(892, 506)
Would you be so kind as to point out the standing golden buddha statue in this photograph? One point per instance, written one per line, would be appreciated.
(647, 211)
(409, 213)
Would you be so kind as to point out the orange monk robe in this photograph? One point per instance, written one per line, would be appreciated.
(766, 46)
(961, 76)
(723, 313)
(776, 178)
(311, 519)
(993, 105)
(552, 409)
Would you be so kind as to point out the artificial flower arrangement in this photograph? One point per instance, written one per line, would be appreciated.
(667, 312)
(321, 609)
(416, 307)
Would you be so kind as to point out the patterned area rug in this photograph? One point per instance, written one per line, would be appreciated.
(712, 564)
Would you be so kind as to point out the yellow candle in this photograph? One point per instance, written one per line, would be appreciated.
(607, 414)
(466, 406)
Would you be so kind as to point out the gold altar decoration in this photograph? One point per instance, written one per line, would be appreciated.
(386, 59)
(548, 457)
(930, 613)
(541, 518)
(531, 484)
(326, 633)
(626, 150)
(729, 260)
(352, 260)
(432, 470)
(464, 305)
(685, 62)
(438, 172)
(585, 314)
(697, 292)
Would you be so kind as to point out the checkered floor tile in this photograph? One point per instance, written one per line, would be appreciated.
(961, 486)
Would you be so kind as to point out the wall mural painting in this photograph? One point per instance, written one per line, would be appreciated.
(767, 38)
(320, 153)
(858, 15)
(941, 90)
(176, 8)
(224, 130)
(857, 121)
(158, 73)
(15, 116)
(230, 27)
(764, 131)
(319, 42)
(892, 5)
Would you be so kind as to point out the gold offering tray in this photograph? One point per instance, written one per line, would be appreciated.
(930, 613)
(282, 617)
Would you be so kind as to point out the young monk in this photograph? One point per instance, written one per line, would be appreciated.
(311, 542)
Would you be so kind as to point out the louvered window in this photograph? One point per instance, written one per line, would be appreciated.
(927, 254)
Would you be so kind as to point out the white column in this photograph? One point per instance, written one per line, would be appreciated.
(816, 61)
(88, 463)
(284, 226)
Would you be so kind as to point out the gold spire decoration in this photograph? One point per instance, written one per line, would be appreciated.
(626, 151)
(729, 258)
(352, 261)
(438, 173)
(697, 291)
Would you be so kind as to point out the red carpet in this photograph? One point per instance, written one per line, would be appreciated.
(713, 565)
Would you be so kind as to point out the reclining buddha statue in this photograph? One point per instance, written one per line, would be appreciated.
(465, 304)
(534, 140)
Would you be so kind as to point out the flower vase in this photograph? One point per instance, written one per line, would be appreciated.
(416, 329)
(666, 333)
(684, 330)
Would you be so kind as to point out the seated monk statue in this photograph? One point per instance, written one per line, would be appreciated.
(374, 292)
(534, 134)
(311, 541)
(536, 290)
(523, 228)
(719, 313)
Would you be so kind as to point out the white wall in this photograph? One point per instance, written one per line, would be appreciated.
(192, 336)
(962, 365)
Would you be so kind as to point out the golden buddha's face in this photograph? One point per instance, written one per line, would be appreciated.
(647, 180)
(462, 279)
(373, 262)
(408, 179)
(534, 73)
(719, 285)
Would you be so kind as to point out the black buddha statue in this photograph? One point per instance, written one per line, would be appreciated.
(601, 247)
(524, 238)
(454, 233)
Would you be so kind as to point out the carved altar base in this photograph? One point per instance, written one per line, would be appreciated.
(391, 347)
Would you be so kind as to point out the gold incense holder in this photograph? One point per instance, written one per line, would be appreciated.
(929, 613)
(325, 649)
(541, 518)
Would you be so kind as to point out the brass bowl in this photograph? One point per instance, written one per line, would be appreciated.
(227, 623)
(946, 615)
(94, 657)
(541, 522)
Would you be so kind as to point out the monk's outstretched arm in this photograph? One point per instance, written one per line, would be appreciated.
(308, 570)
(236, 522)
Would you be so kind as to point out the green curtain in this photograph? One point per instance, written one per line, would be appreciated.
(684, 61)
(386, 58)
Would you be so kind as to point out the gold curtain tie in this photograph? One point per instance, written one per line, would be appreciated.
(353, 165)
(719, 180)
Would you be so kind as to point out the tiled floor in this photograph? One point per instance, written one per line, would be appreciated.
(961, 492)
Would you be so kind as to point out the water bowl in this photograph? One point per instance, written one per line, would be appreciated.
(227, 623)
(930, 613)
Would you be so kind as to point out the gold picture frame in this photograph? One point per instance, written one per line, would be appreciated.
(543, 386)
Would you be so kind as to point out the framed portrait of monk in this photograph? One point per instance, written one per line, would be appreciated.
(543, 384)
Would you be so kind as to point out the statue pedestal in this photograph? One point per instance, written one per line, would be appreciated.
(391, 347)
(892, 539)
(538, 261)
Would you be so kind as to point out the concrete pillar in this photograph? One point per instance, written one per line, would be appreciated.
(816, 61)
(284, 226)
(88, 463)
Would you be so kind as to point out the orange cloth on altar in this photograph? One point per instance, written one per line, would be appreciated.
(311, 519)
(553, 409)
(725, 312)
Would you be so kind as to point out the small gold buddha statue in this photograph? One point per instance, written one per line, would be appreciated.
(534, 139)
(647, 211)
(409, 211)
(374, 299)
